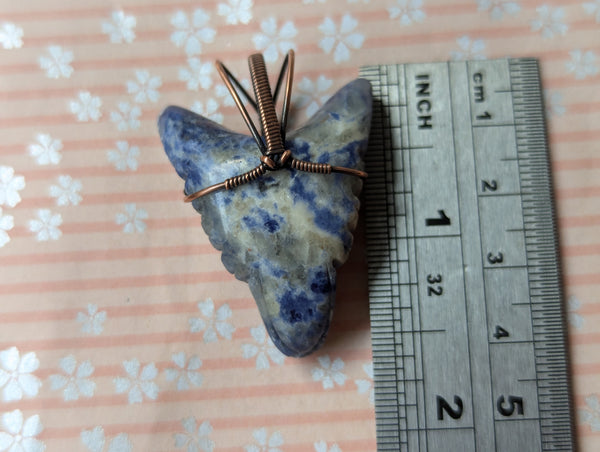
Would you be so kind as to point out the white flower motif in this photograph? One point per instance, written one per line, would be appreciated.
(582, 64)
(575, 319)
(591, 413)
(127, 117)
(263, 351)
(311, 95)
(366, 386)
(10, 186)
(469, 50)
(124, 157)
(209, 110)
(226, 98)
(92, 321)
(408, 11)
(554, 103)
(310, 2)
(7, 222)
(185, 374)
(321, 446)
(11, 36)
(45, 226)
(198, 74)
(191, 35)
(67, 191)
(57, 65)
(19, 434)
(213, 324)
(120, 28)
(265, 443)
(549, 21)
(86, 107)
(342, 40)
(592, 8)
(137, 384)
(329, 372)
(46, 150)
(94, 441)
(74, 380)
(145, 88)
(16, 376)
(236, 11)
(195, 439)
(272, 41)
(132, 219)
(498, 8)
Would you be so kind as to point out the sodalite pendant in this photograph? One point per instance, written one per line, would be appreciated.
(282, 227)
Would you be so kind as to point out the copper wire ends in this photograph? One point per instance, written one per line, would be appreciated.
(271, 139)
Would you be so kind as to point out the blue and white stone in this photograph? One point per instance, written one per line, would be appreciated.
(287, 232)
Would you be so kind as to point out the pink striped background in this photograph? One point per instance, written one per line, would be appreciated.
(150, 282)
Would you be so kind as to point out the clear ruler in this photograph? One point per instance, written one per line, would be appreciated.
(465, 290)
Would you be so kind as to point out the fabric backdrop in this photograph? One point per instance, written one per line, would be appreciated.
(120, 330)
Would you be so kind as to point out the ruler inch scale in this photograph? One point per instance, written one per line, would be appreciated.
(467, 316)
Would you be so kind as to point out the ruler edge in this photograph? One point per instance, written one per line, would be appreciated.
(548, 194)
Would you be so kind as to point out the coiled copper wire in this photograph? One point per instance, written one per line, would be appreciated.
(275, 156)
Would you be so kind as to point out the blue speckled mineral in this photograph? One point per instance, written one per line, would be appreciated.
(287, 232)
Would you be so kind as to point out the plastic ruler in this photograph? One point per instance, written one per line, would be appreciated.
(467, 319)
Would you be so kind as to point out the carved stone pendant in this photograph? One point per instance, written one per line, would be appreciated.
(284, 229)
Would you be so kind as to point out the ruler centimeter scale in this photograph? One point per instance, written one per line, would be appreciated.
(468, 333)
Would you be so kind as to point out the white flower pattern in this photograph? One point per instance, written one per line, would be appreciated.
(95, 439)
(7, 222)
(498, 8)
(329, 373)
(86, 107)
(321, 446)
(19, 434)
(137, 383)
(126, 117)
(58, 63)
(554, 103)
(264, 349)
(366, 386)
(46, 225)
(74, 380)
(591, 413)
(340, 41)
(273, 40)
(145, 88)
(195, 439)
(575, 319)
(550, 22)
(469, 49)
(67, 191)
(120, 28)
(186, 373)
(592, 9)
(208, 109)
(311, 95)
(214, 324)
(11, 36)
(264, 442)
(197, 74)
(582, 64)
(92, 320)
(10, 185)
(16, 374)
(124, 157)
(46, 150)
(236, 11)
(191, 34)
(132, 219)
(407, 11)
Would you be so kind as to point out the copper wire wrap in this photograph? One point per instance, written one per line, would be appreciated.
(274, 155)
